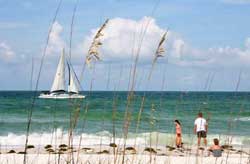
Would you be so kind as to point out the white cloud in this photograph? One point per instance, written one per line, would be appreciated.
(214, 57)
(6, 52)
(178, 48)
(121, 35)
(56, 43)
(118, 42)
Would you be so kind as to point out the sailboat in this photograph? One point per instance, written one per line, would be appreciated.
(58, 89)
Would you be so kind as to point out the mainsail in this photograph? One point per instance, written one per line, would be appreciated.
(73, 86)
(59, 83)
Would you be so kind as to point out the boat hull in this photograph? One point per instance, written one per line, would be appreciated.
(61, 96)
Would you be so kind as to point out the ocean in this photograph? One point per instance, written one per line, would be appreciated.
(101, 114)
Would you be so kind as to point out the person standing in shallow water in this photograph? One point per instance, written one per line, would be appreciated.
(200, 128)
(178, 133)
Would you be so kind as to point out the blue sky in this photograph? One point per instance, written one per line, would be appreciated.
(206, 37)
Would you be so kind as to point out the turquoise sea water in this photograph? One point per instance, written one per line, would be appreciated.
(228, 113)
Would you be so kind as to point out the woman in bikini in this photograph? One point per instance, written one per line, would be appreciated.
(178, 133)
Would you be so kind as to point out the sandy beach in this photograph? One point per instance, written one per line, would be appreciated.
(107, 154)
(129, 159)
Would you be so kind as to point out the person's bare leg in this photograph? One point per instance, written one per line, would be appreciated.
(199, 141)
(178, 141)
(205, 141)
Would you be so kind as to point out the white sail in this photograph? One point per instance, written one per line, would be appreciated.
(59, 80)
(58, 89)
(73, 86)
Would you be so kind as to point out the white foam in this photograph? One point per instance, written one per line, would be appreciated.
(59, 137)
(242, 119)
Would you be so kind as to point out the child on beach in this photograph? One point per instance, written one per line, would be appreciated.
(216, 149)
(178, 133)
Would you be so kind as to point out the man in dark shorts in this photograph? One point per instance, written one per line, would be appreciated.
(200, 128)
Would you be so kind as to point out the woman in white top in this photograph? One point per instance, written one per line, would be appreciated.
(200, 128)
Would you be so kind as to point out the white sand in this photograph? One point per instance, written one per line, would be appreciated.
(91, 156)
(129, 159)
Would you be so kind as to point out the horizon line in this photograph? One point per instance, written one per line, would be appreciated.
(20, 90)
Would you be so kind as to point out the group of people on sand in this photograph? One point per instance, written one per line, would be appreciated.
(200, 129)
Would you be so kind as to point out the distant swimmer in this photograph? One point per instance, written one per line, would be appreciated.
(200, 128)
(178, 133)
